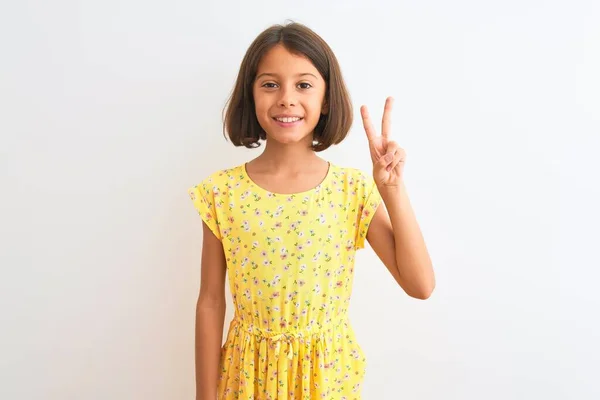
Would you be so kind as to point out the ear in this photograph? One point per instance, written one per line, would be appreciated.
(325, 108)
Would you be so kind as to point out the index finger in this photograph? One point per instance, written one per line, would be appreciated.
(368, 125)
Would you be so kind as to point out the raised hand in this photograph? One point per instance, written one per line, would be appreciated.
(387, 156)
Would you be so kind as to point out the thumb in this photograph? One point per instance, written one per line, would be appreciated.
(386, 159)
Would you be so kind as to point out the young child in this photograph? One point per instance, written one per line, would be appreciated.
(286, 225)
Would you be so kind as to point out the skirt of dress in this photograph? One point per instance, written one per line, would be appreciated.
(319, 362)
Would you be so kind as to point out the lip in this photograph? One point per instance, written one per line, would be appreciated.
(287, 116)
(288, 124)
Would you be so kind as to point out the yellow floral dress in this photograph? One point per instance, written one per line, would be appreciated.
(290, 263)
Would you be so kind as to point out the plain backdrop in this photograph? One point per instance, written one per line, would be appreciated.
(110, 110)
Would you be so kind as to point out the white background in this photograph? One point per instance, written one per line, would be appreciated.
(111, 109)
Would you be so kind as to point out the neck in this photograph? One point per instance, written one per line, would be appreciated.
(287, 157)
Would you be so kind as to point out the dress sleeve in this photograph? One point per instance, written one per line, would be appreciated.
(203, 199)
(366, 210)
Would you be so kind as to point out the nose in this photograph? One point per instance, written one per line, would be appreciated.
(287, 97)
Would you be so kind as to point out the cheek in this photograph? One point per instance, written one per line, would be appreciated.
(261, 104)
(316, 107)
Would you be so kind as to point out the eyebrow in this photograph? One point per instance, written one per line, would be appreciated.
(276, 75)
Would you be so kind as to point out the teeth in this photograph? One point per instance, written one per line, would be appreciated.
(294, 119)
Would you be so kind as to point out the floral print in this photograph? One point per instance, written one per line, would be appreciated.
(290, 263)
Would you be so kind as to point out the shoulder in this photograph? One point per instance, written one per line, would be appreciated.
(217, 181)
(353, 177)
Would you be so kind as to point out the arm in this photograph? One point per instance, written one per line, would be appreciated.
(210, 316)
(395, 235)
(396, 238)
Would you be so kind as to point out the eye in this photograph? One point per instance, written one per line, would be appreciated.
(271, 85)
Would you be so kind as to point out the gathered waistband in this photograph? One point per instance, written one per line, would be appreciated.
(315, 331)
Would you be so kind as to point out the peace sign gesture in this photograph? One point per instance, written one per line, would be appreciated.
(387, 156)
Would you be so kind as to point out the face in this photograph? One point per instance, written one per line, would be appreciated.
(289, 96)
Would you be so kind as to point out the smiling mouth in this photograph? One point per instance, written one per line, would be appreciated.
(288, 120)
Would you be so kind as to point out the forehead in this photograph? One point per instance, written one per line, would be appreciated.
(279, 60)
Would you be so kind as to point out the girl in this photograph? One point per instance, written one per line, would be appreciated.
(286, 226)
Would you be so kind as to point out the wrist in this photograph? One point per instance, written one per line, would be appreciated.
(391, 189)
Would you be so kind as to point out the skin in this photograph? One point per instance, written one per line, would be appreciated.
(288, 84)
(210, 315)
(288, 165)
(394, 232)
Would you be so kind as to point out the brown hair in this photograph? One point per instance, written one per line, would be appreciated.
(240, 120)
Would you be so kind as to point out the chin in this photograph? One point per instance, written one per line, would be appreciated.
(289, 138)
